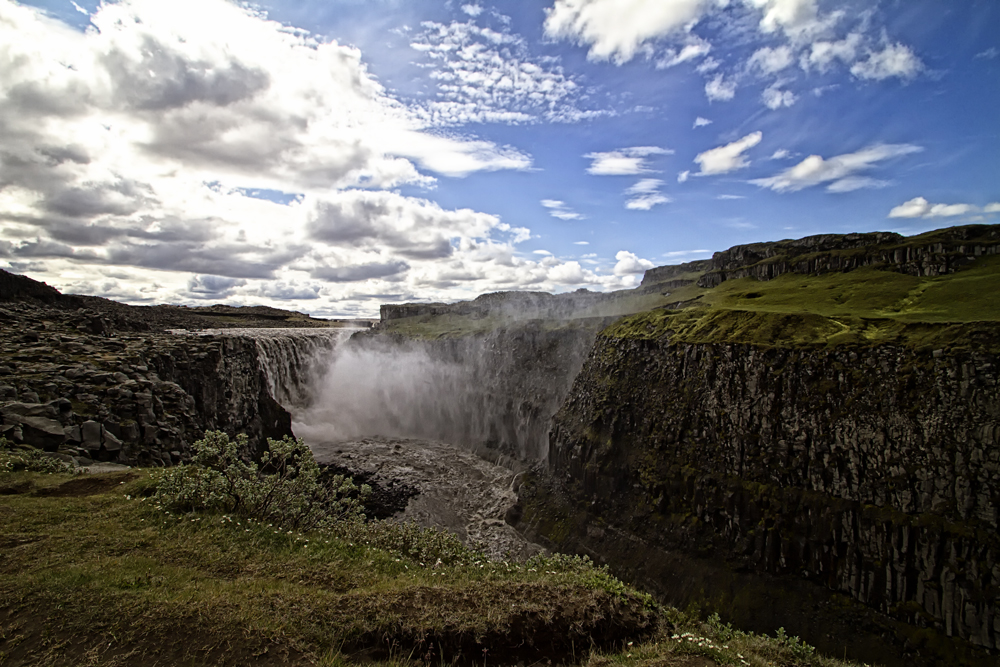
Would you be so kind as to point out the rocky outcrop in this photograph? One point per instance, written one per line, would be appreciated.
(932, 254)
(871, 472)
(127, 398)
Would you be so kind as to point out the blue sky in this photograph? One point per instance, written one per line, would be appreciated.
(328, 156)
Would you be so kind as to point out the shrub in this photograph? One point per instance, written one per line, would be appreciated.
(286, 488)
(29, 460)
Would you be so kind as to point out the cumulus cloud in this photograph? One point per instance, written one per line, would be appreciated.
(718, 89)
(775, 98)
(701, 122)
(841, 172)
(145, 142)
(895, 60)
(623, 162)
(769, 60)
(683, 176)
(918, 207)
(724, 159)
(472, 10)
(823, 53)
(629, 264)
(616, 29)
(666, 33)
(213, 287)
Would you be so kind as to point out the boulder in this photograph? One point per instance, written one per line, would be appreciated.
(91, 432)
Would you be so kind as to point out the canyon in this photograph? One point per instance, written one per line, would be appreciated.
(799, 434)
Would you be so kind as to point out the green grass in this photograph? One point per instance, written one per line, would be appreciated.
(93, 573)
(862, 307)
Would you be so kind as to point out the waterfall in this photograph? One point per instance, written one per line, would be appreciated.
(497, 390)
(293, 360)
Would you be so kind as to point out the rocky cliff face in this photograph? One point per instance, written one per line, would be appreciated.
(127, 398)
(933, 254)
(870, 472)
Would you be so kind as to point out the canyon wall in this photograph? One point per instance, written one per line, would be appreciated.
(75, 385)
(871, 472)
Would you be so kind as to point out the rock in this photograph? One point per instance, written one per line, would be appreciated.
(91, 432)
(111, 443)
(41, 432)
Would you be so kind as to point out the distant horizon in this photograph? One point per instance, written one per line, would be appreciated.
(328, 156)
(473, 297)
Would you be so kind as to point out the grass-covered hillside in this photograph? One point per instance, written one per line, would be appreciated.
(864, 306)
(108, 570)
(934, 290)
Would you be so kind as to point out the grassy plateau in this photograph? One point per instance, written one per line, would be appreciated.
(95, 571)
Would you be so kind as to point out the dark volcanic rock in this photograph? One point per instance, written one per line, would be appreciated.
(870, 472)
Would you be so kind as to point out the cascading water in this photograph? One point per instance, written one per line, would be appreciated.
(293, 360)
(495, 391)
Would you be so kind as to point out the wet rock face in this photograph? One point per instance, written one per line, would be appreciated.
(874, 472)
(71, 383)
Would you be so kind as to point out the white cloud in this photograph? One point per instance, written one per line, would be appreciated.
(646, 202)
(993, 207)
(483, 75)
(821, 54)
(894, 60)
(697, 48)
(918, 207)
(839, 171)
(645, 186)
(701, 122)
(645, 195)
(683, 176)
(720, 90)
(616, 29)
(629, 263)
(730, 157)
(623, 162)
(796, 18)
(775, 98)
(581, 242)
(730, 197)
(145, 159)
(780, 154)
(988, 54)
(472, 10)
(558, 209)
(769, 60)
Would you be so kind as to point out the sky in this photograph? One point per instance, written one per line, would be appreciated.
(328, 156)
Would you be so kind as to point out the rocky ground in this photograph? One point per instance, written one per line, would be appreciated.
(454, 489)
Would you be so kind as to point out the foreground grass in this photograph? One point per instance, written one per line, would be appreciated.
(93, 573)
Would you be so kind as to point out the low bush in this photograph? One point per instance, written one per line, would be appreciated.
(29, 460)
(285, 488)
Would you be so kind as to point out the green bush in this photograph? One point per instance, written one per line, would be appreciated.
(29, 460)
(286, 488)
